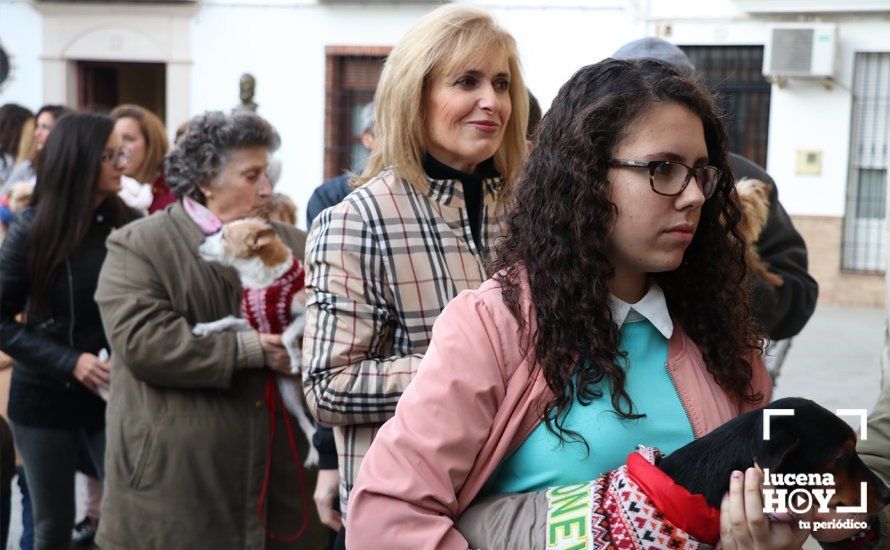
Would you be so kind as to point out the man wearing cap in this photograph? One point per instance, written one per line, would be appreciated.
(334, 190)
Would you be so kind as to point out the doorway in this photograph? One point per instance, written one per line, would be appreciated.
(102, 85)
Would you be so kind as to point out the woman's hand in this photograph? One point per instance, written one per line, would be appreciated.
(327, 489)
(92, 372)
(276, 355)
(743, 525)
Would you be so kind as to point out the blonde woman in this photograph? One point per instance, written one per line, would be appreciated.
(144, 134)
(16, 148)
(13, 119)
(451, 113)
(34, 137)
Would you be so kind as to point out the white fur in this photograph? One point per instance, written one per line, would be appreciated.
(230, 322)
(137, 196)
(255, 275)
(292, 337)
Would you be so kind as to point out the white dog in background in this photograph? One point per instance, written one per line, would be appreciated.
(274, 300)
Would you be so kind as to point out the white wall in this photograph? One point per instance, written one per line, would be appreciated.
(21, 34)
(282, 43)
(803, 114)
(555, 39)
(116, 32)
(284, 50)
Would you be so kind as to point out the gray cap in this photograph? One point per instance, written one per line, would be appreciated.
(657, 48)
(367, 118)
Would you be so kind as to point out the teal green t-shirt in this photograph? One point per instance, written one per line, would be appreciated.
(542, 461)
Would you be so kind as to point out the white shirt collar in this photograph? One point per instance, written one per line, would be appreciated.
(652, 307)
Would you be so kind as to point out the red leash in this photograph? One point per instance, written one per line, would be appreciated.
(273, 398)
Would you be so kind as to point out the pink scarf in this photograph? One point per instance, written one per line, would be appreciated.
(206, 220)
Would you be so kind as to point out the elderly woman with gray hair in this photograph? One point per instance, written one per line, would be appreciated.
(190, 459)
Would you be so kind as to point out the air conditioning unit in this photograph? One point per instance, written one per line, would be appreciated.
(801, 50)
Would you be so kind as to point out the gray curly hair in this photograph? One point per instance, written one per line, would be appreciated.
(202, 151)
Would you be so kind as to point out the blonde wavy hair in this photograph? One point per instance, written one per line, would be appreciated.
(155, 135)
(447, 39)
(27, 147)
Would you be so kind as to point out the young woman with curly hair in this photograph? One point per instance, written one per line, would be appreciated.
(617, 315)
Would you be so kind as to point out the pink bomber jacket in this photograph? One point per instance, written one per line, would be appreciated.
(475, 399)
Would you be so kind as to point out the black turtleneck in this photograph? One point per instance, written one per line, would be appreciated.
(472, 187)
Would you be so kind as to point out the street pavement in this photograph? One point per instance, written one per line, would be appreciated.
(835, 361)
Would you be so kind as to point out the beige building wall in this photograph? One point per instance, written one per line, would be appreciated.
(823, 236)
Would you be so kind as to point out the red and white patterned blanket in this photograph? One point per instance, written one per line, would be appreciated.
(621, 516)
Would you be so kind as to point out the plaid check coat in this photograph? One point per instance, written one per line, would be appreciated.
(381, 266)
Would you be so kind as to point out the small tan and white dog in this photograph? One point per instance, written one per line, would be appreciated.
(273, 300)
(754, 202)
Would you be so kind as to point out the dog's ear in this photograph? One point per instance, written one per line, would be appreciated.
(262, 238)
(782, 443)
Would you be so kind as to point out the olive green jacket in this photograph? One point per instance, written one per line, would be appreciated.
(187, 425)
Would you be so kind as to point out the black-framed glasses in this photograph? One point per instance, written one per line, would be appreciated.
(122, 156)
(670, 178)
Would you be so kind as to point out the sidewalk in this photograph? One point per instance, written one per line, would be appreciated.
(836, 360)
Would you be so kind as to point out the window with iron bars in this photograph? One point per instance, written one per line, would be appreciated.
(863, 244)
(735, 73)
(352, 76)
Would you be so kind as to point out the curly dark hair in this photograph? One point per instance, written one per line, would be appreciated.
(202, 151)
(557, 230)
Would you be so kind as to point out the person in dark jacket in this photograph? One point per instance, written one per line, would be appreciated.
(7, 470)
(49, 268)
(784, 310)
(334, 190)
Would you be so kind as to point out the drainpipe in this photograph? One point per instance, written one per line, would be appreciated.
(885, 358)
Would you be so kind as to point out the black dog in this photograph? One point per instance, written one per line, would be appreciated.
(812, 441)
